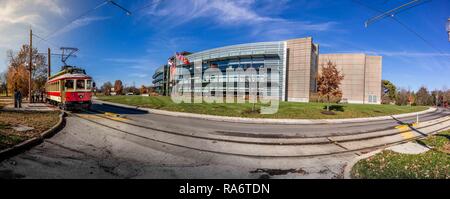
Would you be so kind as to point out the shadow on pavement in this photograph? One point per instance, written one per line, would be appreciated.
(116, 109)
(410, 126)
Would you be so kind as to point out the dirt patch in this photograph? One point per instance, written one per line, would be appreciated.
(328, 113)
(251, 111)
(275, 172)
(446, 148)
(39, 121)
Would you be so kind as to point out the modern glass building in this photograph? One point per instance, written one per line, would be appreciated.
(296, 61)
(161, 80)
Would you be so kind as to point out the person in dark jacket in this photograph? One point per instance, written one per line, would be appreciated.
(20, 99)
(17, 99)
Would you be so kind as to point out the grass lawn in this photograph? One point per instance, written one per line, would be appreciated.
(40, 121)
(290, 110)
(434, 164)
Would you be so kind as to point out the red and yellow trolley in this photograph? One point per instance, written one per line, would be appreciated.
(70, 89)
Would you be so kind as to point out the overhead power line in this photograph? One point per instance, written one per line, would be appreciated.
(45, 40)
(104, 3)
(395, 11)
(404, 26)
(145, 6)
(121, 7)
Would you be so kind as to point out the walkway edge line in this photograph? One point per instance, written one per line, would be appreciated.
(14, 150)
(262, 120)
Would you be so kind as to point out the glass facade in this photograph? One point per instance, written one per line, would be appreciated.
(246, 56)
(296, 63)
(160, 80)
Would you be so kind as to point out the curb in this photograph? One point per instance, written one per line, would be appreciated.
(6, 153)
(262, 120)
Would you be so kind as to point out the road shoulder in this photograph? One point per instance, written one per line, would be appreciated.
(263, 121)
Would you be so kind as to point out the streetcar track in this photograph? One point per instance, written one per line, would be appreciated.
(262, 156)
(137, 108)
(427, 117)
(278, 143)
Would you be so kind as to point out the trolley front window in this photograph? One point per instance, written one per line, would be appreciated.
(81, 84)
(69, 85)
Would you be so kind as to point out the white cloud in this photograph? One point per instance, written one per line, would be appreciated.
(403, 54)
(133, 64)
(138, 75)
(17, 16)
(230, 13)
(126, 60)
(78, 24)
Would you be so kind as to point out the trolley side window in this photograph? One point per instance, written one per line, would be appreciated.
(88, 84)
(81, 84)
(69, 84)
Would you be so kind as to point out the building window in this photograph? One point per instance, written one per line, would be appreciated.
(373, 99)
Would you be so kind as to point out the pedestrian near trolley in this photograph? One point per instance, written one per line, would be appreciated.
(42, 96)
(33, 97)
(17, 99)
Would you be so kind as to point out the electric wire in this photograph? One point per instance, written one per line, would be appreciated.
(405, 27)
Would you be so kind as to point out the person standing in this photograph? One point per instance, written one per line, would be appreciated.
(19, 99)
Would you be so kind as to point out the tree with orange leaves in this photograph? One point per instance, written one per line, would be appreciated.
(328, 83)
(17, 75)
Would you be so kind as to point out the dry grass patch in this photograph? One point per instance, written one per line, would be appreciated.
(434, 164)
(40, 121)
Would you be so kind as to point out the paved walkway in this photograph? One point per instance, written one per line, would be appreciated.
(88, 150)
(31, 107)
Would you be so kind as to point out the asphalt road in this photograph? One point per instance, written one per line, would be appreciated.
(263, 130)
(88, 150)
(140, 145)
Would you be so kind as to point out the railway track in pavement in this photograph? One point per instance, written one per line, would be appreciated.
(268, 147)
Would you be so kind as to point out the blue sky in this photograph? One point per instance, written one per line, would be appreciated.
(116, 46)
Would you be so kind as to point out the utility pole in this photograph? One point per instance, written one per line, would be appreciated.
(49, 64)
(30, 65)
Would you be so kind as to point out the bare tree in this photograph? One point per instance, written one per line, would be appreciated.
(423, 97)
(106, 88)
(328, 83)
